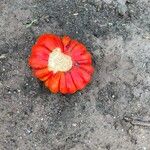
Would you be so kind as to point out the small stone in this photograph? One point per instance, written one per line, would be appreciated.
(2, 56)
(108, 1)
(75, 14)
(9, 92)
(74, 124)
(110, 24)
(113, 96)
(19, 90)
(122, 8)
(29, 131)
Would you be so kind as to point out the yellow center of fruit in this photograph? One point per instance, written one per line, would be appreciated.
(58, 61)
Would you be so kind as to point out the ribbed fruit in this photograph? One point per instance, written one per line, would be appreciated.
(63, 64)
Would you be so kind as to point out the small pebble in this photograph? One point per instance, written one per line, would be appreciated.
(28, 131)
(2, 56)
(19, 90)
(113, 96)
(75, 14)
(74, 124)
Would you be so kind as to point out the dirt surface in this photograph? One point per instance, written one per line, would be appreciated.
(113, 112)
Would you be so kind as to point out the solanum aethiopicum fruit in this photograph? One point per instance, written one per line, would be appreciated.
(63, 64)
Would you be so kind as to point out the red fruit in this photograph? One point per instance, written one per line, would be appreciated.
(63, 64)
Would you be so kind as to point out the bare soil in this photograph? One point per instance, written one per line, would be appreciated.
(113, 112)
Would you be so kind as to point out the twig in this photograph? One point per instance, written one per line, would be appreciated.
(137, 122)
(31, 23)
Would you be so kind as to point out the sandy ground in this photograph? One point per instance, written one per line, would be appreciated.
(113, 112)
